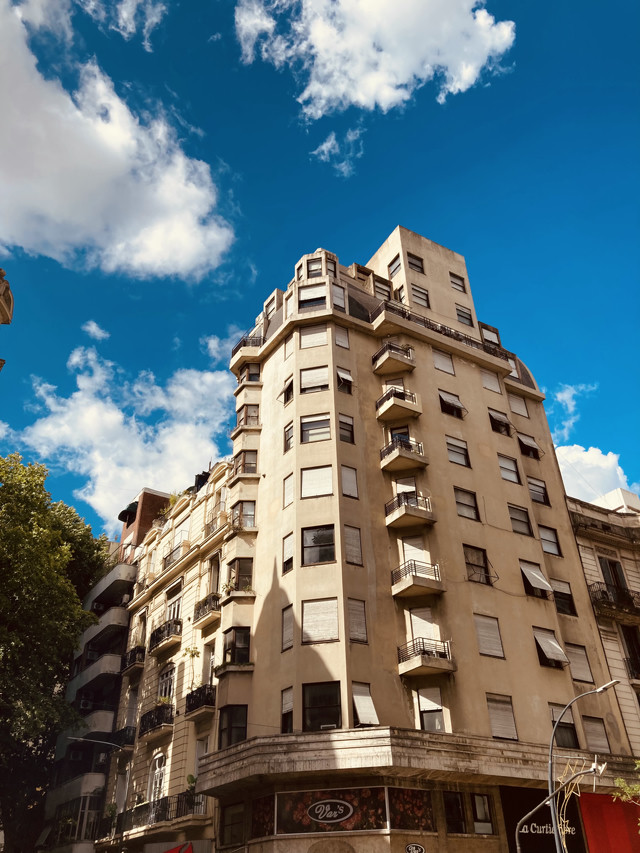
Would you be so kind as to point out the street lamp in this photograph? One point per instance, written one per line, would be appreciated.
(552, 791)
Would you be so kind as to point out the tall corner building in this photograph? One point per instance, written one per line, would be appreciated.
(358, 634)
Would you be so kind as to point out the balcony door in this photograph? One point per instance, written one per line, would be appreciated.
(423, 625)
(612, 573)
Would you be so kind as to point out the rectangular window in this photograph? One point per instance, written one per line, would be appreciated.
(318, 545)
(381, 289)
(508, 468)
(566, 732)
(331, 267)
(250, 373)
(312, 297)
(503, 724)
(287, 391)
(345, 423)
(243, 514)
(315, 482)
(314, 267)
(578, 663)
(288, 346)
(520, 520)
(529, 446)
(315, 428)
(481, 808)
(287, 627)
(488, 634)
(514, 367)
(338, 297)
(246, 462)
(232, 822)
(549, 540)
(518, 405)
(535, 583)
(430, 709)
(458, 451)
(490, 336)
(394, 266)
(550, 651)
(320, 620)
(457, 282)
(248, 415)
(415, 263)
(342, 337)
(288, 437)
(450, 404)
(454, 812)
(596, 735)
(477, 564)
(345, 380)
(321, 706)
(464, 315)
(236, 645)
(563, 597)
(466, 504)
(490, 381)
(499, 422)
(400, 295)
(349, 482)
(233, 725)
(286, 714)
(352, 545)
(287, 553)
(357, 621)
(314, 379)
(364, 712)
(288, 308)
(443, 361)
(299, 272)
(420, 296)
(241, 573)
(270, 307)
(538, 491)
(287, 490)
(313, 336)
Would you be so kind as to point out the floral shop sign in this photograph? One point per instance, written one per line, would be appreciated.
(349, 810)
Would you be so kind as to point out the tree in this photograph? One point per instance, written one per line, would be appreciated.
(48, 562)
(629, 792)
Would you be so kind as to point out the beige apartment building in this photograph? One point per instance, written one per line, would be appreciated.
(356, 635)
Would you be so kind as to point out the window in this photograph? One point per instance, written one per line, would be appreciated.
(549, 540)
(345, 380)
(578, 663)
(287, 490)
(529, 446)
(313, 336)
(566, 732)
(352, 545)
(316, 482)
(450, 404)
(321, 706)
(174, 601)
(236, 645)
(287, 627)
(481, 808)
(166, 682)
(381, 289)
(357, 621)
(490, 381)
(245, 462)
(563, 597)
(338, 297)
(488, 634)
(250, 373)
(518, 405)
(312, 297)
(477, 564)
(430, 709)
(612, 572)
(420, 296)
(287, 553)
(534, 581)
(464, 315)
(520, 520)
(345, 423)
(248, 416)
(314, 428)
(394, 266)
(314, 379)
(499, 422)
(288, 346)
(508, 468)
(596, 735)
(287, 391)
(364, 712)
(415, 263)
(503, 724)
(318, 545)
(286, 715)
(288, 436)
(550, 651)
(490, 336)
(233, 725)
(349, 482)
(400, 295)
(243, 514)
(458, 451)
(331, 267)
(341, 337)
(466, 504)
(314, 267)
(270, 307)
(155, 790)
(443, 361)
(454, 811)
(299, 272)
(514, 367)
(241, 573)
(538, 490)
(457, 282)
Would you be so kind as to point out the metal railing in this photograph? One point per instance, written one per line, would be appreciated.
(407, 499)
(211, 523)
(132, 657)
(175, 553)
(209, 604)
(170, 629)
(424, 646)
(614, 596)
(633, 667)
(247, 421)
(399, 442)
(417, 569)
(156, 717)
(248, 341)
(405, 352)
(396, 393)
(201, 697)
(242, 467)
(125, 736)
(147, 814)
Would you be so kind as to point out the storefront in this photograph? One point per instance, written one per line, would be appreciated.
(536, 834)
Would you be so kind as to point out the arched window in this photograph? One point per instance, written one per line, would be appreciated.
(166, 682)
(156, 777)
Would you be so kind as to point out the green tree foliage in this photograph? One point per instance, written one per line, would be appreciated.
(629, 792)
(48, 562)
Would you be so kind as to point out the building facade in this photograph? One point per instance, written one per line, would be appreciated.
(6, 305)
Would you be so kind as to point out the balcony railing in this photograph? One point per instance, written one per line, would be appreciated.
(125, 736)
(395, 349)
(201, 697)
(172, 628)
(242, 467)
(424, 646)
(407, 499)
(247, 341)
(608, 597)
(176, 551)
(399, 442)
(414, 568)
(247, 421)
(132, 657)
(211, 523)
(147, 814)
(159, 716)
(633, 667)
(209, 604)
(396, 393)
(401, 311)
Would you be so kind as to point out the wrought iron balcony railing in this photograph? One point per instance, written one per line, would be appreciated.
(424, 646)
(396, 393)
(415, 568)
(170, 629)
(609, 596)
(633, 667)
(200, 697)
(125, 736)
(209, 604)
(399, 442)
(156, 717)
(248, 341)
(132, 657)
(396, 349)
(414, 499)
(147, 814)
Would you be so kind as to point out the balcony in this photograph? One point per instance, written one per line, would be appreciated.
(414, 579)
(207, 611)
(615, 602)
(165, 637)
(182, 805)
(402, 454)
(393, 359)
(252, 341)
(156, 723)
(99, 674)
(201, 702)
(633, 667)
(113, 622)
(113, 586)
(133, 661)
(125, 738)
(398, 403)
(424, 656)
(250, 423)
(216, 519)
(409, 509)
(178, 549)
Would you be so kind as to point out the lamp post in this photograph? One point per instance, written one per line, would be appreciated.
(552, 791)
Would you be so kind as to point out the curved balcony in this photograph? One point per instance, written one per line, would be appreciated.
(207, 611)
(112, 622)
(615, 602)
(402, 454)
(424, 656)
(393, 359)
(133, 660)
(166, 637)
(97, 674)
(409, 509)
(125, 738)
(201, 702)
(398, 403)
(113, 586)
(415, 579)
(156, 723)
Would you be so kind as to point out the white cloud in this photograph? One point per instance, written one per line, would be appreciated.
(219, 349)
(121, 436)
(588, 474)
(86, 181)
(373, 53)
(566, 398)
(95, 331)
(341, 156)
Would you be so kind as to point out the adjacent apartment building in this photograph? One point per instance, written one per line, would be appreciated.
(356, 635)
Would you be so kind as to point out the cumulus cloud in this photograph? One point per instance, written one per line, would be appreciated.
(373, 53)
(588, 474)
(565, 399)
(87, 181)
(122, 435)
(95, 331)
(341, 156)
(219, 349)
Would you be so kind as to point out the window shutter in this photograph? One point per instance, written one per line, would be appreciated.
(405, 484)
(488, 632)
(528, 441)
(560, 586)
(287, 700)
(578, 663)
(490, 381)
(556, 710)
(313, 336)
(394, 383)
(596, 735)
(312, 291)
(342, 337)
(518, 405)
(316, 482)
(288, 306)
(413, 549)
(443, 361)
(352, 545)
(288, 490)
(535, 576)
(451, 399)
(551, 648)
(314, 376)
(503, 724)
(320, 620)
(343, 374)
(349, 482)
(500, 416)
(422, 624)
(288, 346)
(365, 708)
(338, 296)
(429, 699)
(287, 547)
(287, 627)
(357, 621)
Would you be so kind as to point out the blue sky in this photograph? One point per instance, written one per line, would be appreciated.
(163, 165)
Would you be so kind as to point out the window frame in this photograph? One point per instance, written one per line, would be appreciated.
(322, 471)
(332, 709)
(480, 569)
(454, 447)
(503, 717)
(415, 263)
(236, 645)
(310, 425)
(325, 545)
(539, 492)
(464, 315)
(321, 384)
(568, 605)
(232, 722)
(420, 295)
(500, 423)
(466, 499)
(519, 516)
(554, 552)
(394, 266)
(457, 282)
(288, 437)
(510, 469)
(345, 429)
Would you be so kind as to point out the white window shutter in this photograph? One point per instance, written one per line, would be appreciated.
(320, 620)
(357, 621)
(316, 482)
(422, 624)
(287, 547)
(443, 361)
(535, 576)
(349, 482)
(287, 628)
(578, 663)
(490, 381)
(488, 632)
(413, 549)
(342, 337)
(288, 490)
(429, 699)
(313, 336)
(312, 291)
(551, 648)
(352, 545)
(518, 405)
(287, 700)
(314, 376)
(365, 708)
(503, 724)
(596, 735)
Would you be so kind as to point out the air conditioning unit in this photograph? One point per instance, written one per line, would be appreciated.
(86, 704)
